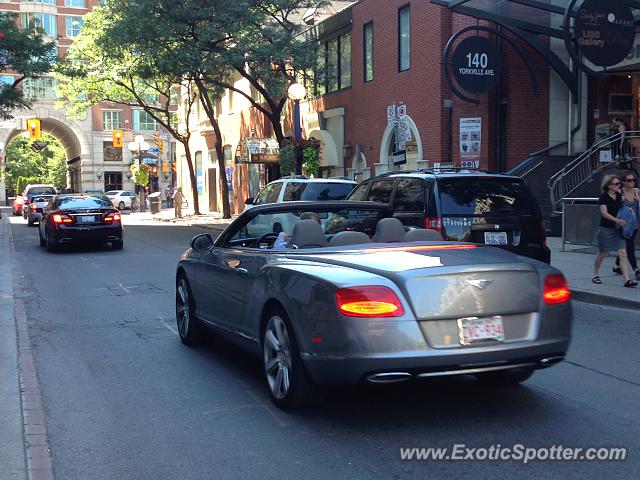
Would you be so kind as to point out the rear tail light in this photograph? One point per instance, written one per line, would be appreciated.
(555, 290)
(112, 217)
(369, 301)
(32, 206)
(434, 224)
(59, 219)
(543, 233)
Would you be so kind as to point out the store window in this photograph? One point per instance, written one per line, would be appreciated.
(111, 153)
(404, 39)
(144, 122)
(111, 120)
(112, 181)
(368, 52)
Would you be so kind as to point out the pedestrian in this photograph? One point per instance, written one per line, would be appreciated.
(168, 193)
(620, 153)
(178, 198)
(631, 199)
(609, 237)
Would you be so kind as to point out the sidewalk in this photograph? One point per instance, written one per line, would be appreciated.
(576, 262)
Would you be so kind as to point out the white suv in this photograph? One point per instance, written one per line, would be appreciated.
(291, 189)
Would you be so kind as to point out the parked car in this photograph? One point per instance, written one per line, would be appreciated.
(16, 206)
(80, 219)
(94, 191)
(121, 199)
(35, 189)
(470, 206)
(36, 207)
(355, 297)
(291, 189)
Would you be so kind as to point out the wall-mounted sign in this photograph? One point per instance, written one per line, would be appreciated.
(400, 157)
(604, 31)
(470, 142)
(476, 64)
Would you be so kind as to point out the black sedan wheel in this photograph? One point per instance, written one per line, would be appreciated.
(288, 383)
(191, 332)
(42, 240)
(50, 243)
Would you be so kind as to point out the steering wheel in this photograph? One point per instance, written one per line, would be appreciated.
(268, 236)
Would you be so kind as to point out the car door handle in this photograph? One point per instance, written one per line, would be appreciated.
(235, 264)
(241, 270)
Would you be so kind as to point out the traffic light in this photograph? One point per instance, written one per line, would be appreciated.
(118, 138)
(33, 125)
(159, 141)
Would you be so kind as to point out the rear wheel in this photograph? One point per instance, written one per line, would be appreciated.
(117, 244)
(504, 378)
(50, 243)
(289, 385)
(191, 331)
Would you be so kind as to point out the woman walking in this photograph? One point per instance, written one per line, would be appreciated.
(609, 238)
(631, 199)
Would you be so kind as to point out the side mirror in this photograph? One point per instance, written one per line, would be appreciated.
(249, 201)
(202, 242)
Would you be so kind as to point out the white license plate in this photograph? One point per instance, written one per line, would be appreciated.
(86, 219)
(495, 238)
(475, 329)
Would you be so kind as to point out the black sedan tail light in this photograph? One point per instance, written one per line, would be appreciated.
(111, 217)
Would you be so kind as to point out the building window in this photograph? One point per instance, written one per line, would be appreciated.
(404, 39)
(368, 52)
(111, 153)
(74, 3)
(42, 88)
(45, 21)
(6, 80)
(48, 2)
(112, 181)
(143, 121)
(73, 26)
(111, 120)
(334, 65)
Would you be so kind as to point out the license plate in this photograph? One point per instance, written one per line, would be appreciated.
(495, 238)
(475, 329)
(86, 219)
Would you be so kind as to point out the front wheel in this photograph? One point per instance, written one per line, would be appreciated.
(505, 378)
(191, 331)
(289, 385)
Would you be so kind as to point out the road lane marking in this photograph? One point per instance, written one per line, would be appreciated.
(270, 410)
(173, 329)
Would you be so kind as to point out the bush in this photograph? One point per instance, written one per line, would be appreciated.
(287, 160)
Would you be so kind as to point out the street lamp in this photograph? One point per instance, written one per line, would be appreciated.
(297, 92)
(137, 147)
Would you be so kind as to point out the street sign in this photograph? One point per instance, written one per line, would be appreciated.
(404, 131)
(402, 112)
(154, 150)
(391, 115)
(400, 157)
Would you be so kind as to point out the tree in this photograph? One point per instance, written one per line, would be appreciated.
(23, 53)
(99, 68)
(46, 166)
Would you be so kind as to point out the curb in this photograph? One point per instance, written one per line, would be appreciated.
(603, 299)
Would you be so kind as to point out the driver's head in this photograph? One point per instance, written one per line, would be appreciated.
(310, 216)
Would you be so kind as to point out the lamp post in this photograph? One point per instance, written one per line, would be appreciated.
(137, 147)
(297, 92)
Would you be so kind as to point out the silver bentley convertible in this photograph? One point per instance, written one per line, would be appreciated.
(331, 293)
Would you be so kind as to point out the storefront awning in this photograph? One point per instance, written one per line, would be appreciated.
(258, 150)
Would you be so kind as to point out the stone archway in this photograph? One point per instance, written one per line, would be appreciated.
(71, 135)
(416, 160)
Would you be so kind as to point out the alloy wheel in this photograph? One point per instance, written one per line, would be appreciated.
(277, 357)
(183, 308)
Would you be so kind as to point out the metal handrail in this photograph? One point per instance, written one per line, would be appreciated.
(583, 168)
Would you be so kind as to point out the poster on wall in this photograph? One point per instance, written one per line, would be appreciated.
(470, 142)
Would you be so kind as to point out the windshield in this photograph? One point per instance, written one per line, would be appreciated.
(112, 192)
(485, 196)
(41, 191)
(68, 203)
(317, 191)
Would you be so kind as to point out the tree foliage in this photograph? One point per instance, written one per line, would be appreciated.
(23, 164)
(24, 53)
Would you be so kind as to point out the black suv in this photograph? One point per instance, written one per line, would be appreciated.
(464, 206)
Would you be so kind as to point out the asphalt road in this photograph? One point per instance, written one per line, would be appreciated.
(125, 399)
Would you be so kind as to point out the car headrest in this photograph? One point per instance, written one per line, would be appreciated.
(307, 234)
(422, 235)
(388, 230)
(348, 238)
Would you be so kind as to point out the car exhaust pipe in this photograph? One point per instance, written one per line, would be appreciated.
(548, 361)
(390, 377)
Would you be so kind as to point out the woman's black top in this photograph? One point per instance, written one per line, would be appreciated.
(613, 206)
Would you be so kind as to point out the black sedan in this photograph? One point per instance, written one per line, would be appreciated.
(80, 219)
